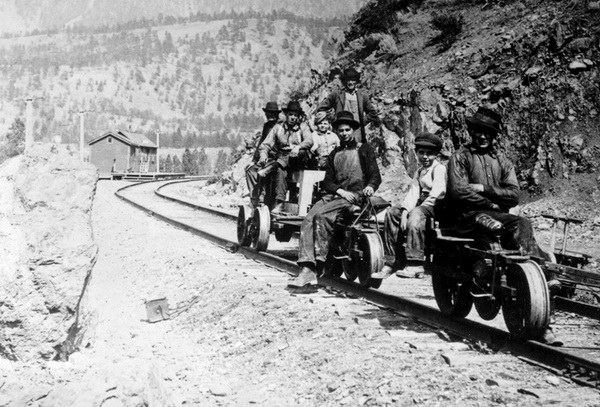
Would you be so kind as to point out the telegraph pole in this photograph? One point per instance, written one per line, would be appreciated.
(157, 149)
(29, 126)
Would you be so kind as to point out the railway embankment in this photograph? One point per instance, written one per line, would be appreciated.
(47, 253)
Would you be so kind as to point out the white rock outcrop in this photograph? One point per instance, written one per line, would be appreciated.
(46, 253)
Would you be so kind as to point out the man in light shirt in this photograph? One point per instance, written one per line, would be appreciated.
(289, 145)
(410, 218)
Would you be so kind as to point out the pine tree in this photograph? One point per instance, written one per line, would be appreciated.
(195, 163)
(188, 164)
(168, 164)
(221, 163)
(15, 140)
(203, 162)
(177, 167)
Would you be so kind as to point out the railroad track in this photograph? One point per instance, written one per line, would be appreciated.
(579, 359)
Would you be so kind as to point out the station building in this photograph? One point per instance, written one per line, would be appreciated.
(123, 152)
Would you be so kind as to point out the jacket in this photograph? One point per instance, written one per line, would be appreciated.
(282, 138)
(366, 111)
(265, 132)
(368, 163)
(493, 170)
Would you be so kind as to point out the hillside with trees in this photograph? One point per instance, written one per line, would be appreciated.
(201, 80)
(43, 15)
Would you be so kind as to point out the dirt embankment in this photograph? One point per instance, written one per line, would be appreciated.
(245, 340)
(48, 252)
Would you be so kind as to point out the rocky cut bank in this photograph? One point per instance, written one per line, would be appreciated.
(47, 252)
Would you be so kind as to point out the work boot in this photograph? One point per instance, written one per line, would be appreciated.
(488, 223)
(384, 273)
(278, 208)
(550, 339)
(307, 276)
(411, 272)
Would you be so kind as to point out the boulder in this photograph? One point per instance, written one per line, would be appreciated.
(48, 252)
(442, 110)
(533, 71)
(577, 66)
(577, 141)
(581, 44)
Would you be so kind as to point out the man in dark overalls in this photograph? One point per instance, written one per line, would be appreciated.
(351, 175)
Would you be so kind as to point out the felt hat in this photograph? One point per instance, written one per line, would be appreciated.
(345, 117)
(428, 140)
(293, 106)
(335, 71)
(319, 117)
(486, 119)
(351, 73)
(271, 107)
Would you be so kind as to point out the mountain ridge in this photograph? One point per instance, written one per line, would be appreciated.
(43, 15)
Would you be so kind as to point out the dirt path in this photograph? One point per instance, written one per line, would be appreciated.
(246, 341)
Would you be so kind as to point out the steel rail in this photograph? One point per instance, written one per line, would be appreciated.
(579, 369)
(208, 209)
(561, 303)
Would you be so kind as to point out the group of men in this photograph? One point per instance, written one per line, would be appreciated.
(479, 184)
(290, 143)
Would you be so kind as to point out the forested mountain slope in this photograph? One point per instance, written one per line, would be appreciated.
(20, 16)
(198, 81)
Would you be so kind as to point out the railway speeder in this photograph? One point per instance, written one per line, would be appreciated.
(465, 272)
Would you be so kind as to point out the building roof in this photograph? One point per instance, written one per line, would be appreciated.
(131, 139)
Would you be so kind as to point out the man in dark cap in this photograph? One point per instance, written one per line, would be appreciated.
(483, 186)
(483, 180)
(272, 114)
(288, 144)
(351, 100)
(351, 175)
(427, 189)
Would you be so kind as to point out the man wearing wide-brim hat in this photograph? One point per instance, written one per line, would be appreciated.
(351, 175)
(288, 144)
(352, 100)
(483, 186)
(272, 112)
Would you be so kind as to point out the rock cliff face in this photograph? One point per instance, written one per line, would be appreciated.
(534, 62)
(47, 252)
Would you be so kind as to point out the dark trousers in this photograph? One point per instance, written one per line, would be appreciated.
(517, 233)
(252, 179)
(265, 192)
(317, 229)
(415, 234)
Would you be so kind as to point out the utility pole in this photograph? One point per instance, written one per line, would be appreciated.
(29, 126)
(157, 148)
